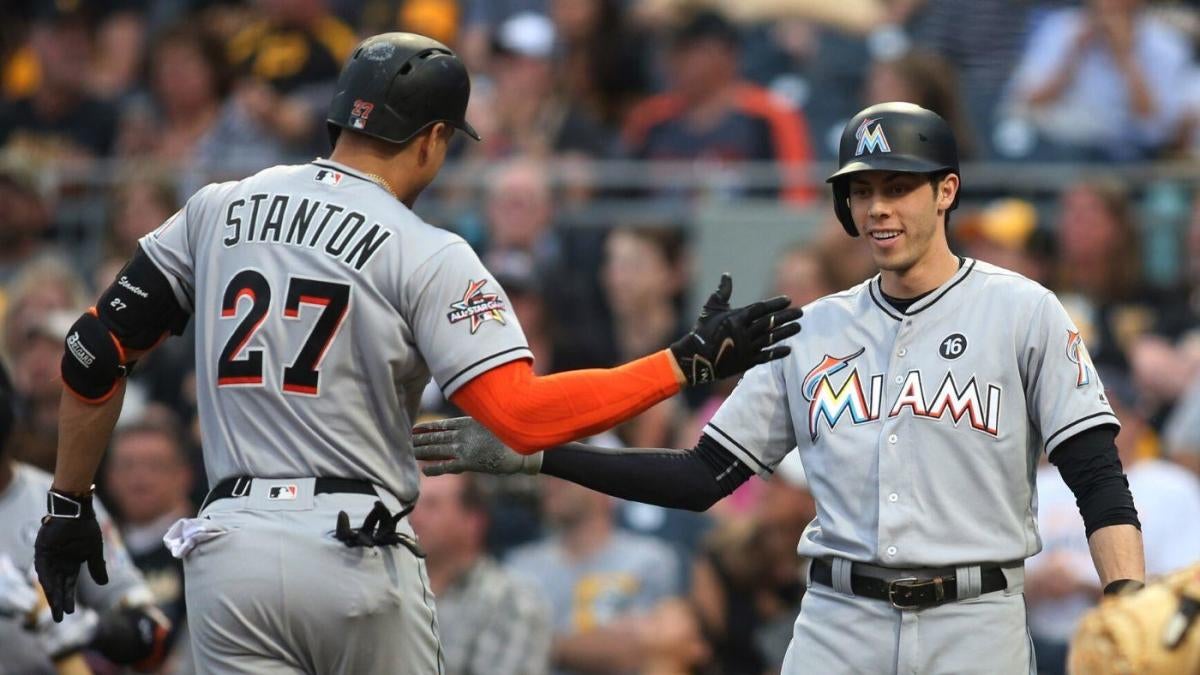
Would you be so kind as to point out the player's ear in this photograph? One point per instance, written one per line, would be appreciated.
(947, 190)
(430, 139)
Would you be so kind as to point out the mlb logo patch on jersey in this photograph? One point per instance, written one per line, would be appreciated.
(328, 177)
(280, 492)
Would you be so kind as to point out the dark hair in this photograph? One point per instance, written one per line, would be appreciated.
(210, 49)
(472, 497)
(705, 25)
(162, 425)
(669, 240)
(934, 82)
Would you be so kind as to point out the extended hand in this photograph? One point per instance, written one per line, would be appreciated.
(727, 341)
(466, 445)
(70, 536)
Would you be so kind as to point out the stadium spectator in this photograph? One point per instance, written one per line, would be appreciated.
(60, 120)
(489, 623)
(1104, 81)
(802, 274)
(520, 217)
(1098, 277)
(601, 583)
(148, 478)
(481, 20)
(43, 299)
(527, 114)
(982, 41)
(710, 114)
(24, 222)
(289, 61)
(185, 120)
(119, 40)
(140, 205)
(644, 277)
(604, 63)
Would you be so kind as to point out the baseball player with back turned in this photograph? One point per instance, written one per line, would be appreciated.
(322, 306)
(919, 402)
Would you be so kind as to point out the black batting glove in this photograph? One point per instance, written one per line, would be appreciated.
(68, 538)
(727, 341)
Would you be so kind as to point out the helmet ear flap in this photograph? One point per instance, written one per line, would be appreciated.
(841, 206)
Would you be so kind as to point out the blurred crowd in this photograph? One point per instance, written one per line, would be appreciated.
(112, 112)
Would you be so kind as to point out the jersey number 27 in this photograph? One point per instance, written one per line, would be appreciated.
(302, 376)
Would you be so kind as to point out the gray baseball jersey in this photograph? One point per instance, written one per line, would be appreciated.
(920, 431)
(322, 306)
(22, 505)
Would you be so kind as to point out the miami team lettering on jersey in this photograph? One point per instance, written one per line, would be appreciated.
(336, 332)
(917, 429)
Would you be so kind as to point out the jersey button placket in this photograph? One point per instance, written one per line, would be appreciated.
(890, 459)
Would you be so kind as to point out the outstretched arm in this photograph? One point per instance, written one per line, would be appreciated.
(530, 413)
(699, 477)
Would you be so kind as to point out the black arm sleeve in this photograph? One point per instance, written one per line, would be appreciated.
(1090, 466)
(679, 479)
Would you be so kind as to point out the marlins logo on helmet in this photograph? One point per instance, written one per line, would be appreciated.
(871, 140)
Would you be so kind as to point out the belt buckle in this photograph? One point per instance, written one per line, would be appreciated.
(913, 583)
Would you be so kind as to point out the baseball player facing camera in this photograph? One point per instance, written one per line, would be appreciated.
(323, 305)
(919, 401)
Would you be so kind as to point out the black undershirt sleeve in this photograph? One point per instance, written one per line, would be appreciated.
(692, 479)
(1090, 466)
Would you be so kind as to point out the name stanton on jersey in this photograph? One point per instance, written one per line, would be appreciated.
(262, 218)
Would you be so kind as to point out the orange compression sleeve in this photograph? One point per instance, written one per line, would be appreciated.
(530, 413)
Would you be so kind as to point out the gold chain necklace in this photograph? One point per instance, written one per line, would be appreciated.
(379, 180)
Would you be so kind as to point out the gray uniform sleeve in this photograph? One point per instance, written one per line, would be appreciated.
(171, 246)
(755, 422)
(461, 318)
(125, 581)
(1063, 392)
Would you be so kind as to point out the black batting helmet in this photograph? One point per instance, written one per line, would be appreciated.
(395, 85)
(891, 137)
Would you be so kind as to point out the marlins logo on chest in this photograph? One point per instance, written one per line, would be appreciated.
(831, 402)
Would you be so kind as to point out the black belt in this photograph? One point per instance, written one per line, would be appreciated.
(239, 486)
(908, 592)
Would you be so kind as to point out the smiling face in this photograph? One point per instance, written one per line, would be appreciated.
(901, 216)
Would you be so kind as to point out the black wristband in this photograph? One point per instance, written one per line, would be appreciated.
(64, 505)
(1123, 586)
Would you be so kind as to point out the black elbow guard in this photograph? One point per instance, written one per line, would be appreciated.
(93, 361)
(135, 312)
(139, 307)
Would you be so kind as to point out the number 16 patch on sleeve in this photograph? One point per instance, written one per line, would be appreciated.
(477, 306)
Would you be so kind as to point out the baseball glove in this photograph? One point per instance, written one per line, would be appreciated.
(1153, 631)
